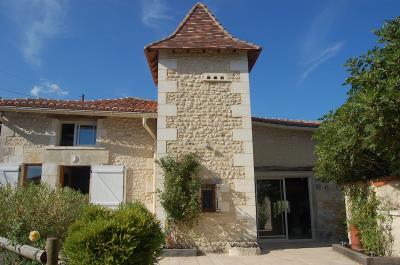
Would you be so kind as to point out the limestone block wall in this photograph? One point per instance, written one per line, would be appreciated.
(390, 196)
(194, 113)
(288, 147)
(130, 145)
(32, 138)
(282, 147)
(24, 137)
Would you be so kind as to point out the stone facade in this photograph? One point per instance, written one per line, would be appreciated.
(390, 197)
(211, 119)
(288, 147)
(31, 138)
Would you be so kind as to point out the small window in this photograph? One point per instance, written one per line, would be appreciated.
(77, 134)
(86, 134)
(208, 198)
(33, 174)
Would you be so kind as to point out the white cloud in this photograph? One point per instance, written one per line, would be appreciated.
(48, 89)
(39, 21)
(325, 55)
(315, 49)
(154, 12)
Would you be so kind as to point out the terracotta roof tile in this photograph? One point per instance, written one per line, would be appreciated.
(133, 105)
(199, 30)
(120, 105)
(286, 122)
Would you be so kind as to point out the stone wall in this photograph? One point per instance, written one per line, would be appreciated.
(211, 119)
(390, 197)
(32, 138)
(130, 145)
(293, 147)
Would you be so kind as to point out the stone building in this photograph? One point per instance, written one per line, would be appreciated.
(257, 172)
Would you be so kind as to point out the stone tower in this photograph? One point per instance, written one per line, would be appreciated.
(202, 74)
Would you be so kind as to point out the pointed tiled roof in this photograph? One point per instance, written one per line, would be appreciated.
(199, 30)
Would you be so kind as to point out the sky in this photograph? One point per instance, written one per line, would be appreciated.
(65, 48)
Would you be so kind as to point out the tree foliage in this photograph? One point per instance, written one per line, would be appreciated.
(361, 139)
(180, 197)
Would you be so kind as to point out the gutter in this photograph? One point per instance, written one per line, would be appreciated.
(282, 126)
(151, 133)
(81, 112)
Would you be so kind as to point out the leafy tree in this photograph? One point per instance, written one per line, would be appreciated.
(361, 139)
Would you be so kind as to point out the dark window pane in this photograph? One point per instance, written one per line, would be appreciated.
(33, 173)
(77, 178)
(208, 198)
(67, 134)
(87, 135)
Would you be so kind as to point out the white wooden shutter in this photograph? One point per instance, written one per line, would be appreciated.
(107, 185)
(9, 174)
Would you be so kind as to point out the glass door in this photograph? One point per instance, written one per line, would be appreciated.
(283, 208)
(298, 214)
(271, 206)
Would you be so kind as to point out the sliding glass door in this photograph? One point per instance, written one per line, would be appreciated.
(283, 208)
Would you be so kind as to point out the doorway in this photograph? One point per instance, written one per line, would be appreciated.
(283, 208)
(76, 177)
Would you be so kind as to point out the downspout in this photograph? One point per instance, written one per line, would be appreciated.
(147, 128)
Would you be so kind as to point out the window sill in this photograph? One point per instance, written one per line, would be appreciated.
(75, 148)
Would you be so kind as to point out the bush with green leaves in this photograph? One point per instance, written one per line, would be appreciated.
(366, 215)
(128, 235)
(37, 207)
(180, 197)
(361, 139)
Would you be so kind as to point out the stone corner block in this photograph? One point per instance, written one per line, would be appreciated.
(240, 64)
(167, 110)
(241, 111)
(167, 134)
(243, 160)
(167, 86)
(244, 185)
(240, 87)
(169, 63)
(242, 135)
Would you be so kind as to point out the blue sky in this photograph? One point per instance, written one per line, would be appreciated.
(63, 48)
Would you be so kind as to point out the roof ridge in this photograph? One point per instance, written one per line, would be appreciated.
(219, 24)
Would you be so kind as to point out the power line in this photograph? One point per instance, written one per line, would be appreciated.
(15, 92)
(15, 75)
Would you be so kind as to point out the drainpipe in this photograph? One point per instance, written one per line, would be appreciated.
(147, 128)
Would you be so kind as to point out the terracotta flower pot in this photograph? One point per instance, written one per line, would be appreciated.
(355, 238)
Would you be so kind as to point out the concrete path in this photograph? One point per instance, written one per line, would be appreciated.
(299, 256)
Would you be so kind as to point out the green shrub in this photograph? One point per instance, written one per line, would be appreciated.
(373, 224)
(128, 235)
(37, 207)
(181, 198)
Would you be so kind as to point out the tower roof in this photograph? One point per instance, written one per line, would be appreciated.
(199, 30)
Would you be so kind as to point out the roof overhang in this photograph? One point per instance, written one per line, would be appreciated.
(80, 112)
(285, 126)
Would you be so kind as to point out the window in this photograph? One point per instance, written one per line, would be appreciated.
(208, 198)
(76, 177)
(78, 134)
(33, 174)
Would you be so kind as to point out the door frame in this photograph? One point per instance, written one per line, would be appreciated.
(260, 175)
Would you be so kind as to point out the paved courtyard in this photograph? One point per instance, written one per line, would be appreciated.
(299, 256)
